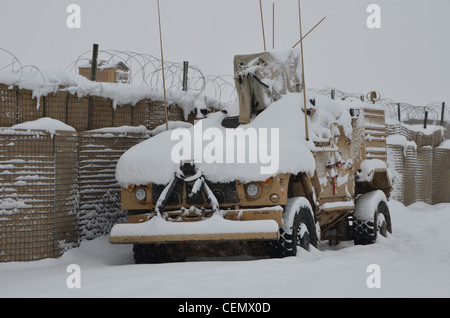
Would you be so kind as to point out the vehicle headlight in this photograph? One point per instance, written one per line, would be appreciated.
(274, 198)
(252, 190)
(140, 194)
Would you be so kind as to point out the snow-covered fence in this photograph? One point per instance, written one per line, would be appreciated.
(38, 194)
(58, 188)
(403, 165)
(419, 167)
(441, 175)
(432, 136)
(99, 200)
(396, 163)
(86, 112)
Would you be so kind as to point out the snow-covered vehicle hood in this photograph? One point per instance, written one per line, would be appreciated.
(150, 162)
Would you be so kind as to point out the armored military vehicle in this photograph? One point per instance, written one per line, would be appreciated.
(330, 182)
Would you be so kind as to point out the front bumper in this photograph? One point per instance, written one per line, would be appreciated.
(235, 225)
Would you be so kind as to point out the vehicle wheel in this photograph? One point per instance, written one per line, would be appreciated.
(150, 254)
(299, 230)
(371, 217)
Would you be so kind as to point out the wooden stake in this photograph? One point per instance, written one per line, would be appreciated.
(303, 73)
(308, 32)
(262, 24)
(162, 65)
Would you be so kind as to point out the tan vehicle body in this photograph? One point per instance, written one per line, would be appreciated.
(331, 199)
(307, 208)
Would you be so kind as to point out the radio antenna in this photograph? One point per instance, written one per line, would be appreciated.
(273, 26)
(303, 73)
(262, 24)
(162, 67)
(308, 32)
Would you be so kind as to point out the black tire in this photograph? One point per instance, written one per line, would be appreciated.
(301, 233)
(150, 254)
(365, 231)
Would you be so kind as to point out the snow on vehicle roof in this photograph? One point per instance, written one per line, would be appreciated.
(151, 161)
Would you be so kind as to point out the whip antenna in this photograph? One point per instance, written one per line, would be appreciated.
(308, 32)
(273, 26)
(262, 24)
(162, 66)
(303, 73)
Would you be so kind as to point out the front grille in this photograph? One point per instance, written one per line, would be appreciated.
(224, 193)
(195, 199)
(176, 198)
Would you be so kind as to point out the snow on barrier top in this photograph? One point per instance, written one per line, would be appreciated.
(445, 144)
(47, 124)
(51, 81)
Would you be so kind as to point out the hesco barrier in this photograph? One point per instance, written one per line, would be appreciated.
(421, 139)
(420, 173)
(99, 201)
(38, 194)
(82, 113)
(56, 190)
(441, 175)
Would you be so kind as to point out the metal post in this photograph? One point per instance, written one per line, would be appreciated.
(185, 75)
(94, 62)
(442, 113)
(67, 108)
(44, 107)
(333, 94)
(113, 114)
(17, 106)
(132, 116)
(89, 113)
(425, 120)
(399, 113)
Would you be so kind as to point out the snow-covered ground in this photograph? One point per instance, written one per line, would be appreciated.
(413, 262)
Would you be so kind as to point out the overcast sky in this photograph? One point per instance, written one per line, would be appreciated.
(407, 59)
